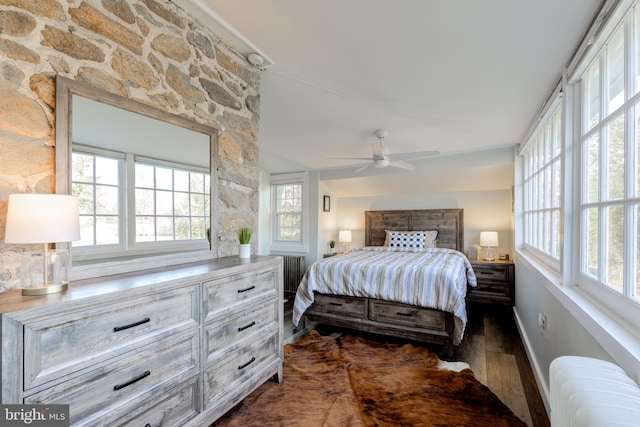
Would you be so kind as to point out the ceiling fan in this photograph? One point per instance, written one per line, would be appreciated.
(382, 159)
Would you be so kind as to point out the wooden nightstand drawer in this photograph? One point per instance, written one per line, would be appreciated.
(490, 274)
(496, 282)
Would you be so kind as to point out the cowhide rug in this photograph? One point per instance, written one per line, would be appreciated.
(354, 381)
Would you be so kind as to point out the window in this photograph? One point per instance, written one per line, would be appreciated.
(609, 147)
(170, 209)
(542, 188)
(289, 219)
(288, 213)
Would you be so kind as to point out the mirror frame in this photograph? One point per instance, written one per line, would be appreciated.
(65, 90)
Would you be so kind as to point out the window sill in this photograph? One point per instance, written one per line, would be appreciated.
(616, 335)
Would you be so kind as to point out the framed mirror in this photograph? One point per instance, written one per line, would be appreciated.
(145, 180)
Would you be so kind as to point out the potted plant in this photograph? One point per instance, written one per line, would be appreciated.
(244, 236)
(332, 247)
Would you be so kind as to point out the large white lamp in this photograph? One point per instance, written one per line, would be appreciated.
(44, 219)
(344, 236)
(489, 241)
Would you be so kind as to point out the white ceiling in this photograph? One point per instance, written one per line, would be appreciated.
(455, 76)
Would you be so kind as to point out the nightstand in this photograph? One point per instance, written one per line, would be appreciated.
(496, 282)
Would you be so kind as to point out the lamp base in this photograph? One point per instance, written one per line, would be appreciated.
(44, 290)
(488, 254)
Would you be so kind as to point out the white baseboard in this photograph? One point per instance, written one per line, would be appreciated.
(535, 366)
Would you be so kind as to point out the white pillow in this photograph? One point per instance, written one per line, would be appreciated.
(411, 239)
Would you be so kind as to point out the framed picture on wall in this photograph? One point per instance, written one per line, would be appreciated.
(326, 203)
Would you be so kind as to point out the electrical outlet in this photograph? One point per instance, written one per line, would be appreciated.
(542, 324)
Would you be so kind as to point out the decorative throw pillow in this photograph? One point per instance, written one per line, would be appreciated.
(411, 239)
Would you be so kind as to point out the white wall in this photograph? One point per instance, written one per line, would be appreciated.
(480, 183)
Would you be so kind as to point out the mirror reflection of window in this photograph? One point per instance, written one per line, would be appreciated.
(143, 185)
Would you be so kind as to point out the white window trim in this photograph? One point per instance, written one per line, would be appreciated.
(303, 245)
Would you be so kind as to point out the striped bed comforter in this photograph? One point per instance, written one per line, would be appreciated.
(435, 278)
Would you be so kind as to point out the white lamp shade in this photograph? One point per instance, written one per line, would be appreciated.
(344, 236)
(489, 238)
(42, 218)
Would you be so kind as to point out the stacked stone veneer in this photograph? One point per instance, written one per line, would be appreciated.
(147, 50)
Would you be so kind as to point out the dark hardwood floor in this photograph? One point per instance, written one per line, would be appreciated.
(493, 349)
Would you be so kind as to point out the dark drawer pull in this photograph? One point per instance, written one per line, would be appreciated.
(132, 381)
(246, 289)
(253, 359)
(133, 325)
(337, 304)
(404, 314)
(242, 328)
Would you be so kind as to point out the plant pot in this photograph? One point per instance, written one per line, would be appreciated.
(245, 251)
(332, 250)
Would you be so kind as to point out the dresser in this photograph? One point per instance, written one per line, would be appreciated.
(496, 282)
(164, 347)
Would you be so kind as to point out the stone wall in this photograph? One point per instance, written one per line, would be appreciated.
(148, 50)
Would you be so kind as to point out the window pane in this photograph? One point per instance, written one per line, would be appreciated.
(164, 178)
(615, 159)
(197, 205)
(82, 167)
(592, 96)
(107, 230)
(197, 183)
(144, 176)
(145, 229)
(84, 193)
(181, 203)
(637, 48)
(86, 232)
(197, 228)
(180, 180)
(106, 200)
(557, 180)
(615, 71)
(592, 169)
(144, 202)
(591, 236)
(636, 289)
(637, 150)
(615, 247)
(164, 228)
(106, 171)
(182, 231)
(164, 203)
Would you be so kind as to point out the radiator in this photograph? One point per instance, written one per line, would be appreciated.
(294, 269)
(592, 392)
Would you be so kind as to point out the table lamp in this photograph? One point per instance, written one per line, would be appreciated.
(344, 236)
(488, 241)
(44, 219)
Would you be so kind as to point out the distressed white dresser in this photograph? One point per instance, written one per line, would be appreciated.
(163, 347)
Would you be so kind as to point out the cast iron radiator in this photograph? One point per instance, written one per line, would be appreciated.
(294, 269)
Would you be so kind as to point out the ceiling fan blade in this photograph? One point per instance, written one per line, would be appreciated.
(350, 158)
(413, 156)
(363, 168)
(402, 165)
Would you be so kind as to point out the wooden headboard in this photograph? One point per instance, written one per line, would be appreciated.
(448, 222)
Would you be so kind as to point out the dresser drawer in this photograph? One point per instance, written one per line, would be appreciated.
(337, 304)
(173, 409)
(230, 370)
(135, 375)
(220, 334)
(222, 294)
(65, 344)
(419, 317)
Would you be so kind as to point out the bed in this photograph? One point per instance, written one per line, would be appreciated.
(399, 290)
